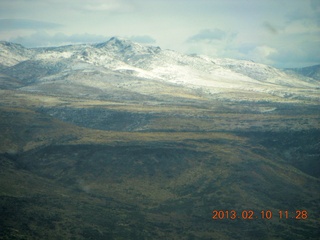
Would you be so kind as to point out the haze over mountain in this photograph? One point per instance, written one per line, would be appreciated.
(119, 140)
(120, 58)
(312, 71)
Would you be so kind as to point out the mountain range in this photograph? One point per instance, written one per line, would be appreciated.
(56, 67)
(119, 140)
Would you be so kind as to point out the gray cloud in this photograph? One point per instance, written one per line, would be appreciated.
(310, 14)
(208, 35)
(142, 39)
(43, 39)
(108, 6)
(273, 32)
(315, 4)
(16, 24)
(307, 55)
(270, 28)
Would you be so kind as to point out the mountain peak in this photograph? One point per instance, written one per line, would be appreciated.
(13, 53)
(127, 47)
(11, 45)
(116, 42)
(119, 40)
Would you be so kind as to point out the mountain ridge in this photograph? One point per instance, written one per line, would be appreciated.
(121, 44)
(136, 61)
(310, 71)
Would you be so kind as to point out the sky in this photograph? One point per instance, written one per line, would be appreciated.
(281, 33)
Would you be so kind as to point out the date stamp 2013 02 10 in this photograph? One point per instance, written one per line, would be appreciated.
(262, 214)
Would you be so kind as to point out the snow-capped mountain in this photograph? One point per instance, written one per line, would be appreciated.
(312, 71)
(112, 64)
(12, 54)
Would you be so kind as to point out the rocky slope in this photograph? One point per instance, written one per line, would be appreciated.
(311, 72)
(102, 66)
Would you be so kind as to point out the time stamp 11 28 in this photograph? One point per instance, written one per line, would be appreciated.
(262, 214)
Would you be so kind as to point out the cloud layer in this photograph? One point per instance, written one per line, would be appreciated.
(18, 24)
(43, 39)
(208, 35)
(281, 33)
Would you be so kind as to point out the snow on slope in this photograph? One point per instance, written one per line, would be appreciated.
(132, 60)
(12, 54)
(312, 71)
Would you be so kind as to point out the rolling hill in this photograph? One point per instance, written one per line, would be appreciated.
(119, 140)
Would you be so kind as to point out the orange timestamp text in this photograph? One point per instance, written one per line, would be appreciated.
(263, 214)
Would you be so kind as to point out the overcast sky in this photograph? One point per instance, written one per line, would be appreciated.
(282, 33)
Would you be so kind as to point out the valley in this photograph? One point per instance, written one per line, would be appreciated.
(123, 141)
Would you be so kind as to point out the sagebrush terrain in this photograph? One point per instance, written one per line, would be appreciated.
(91, 150)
